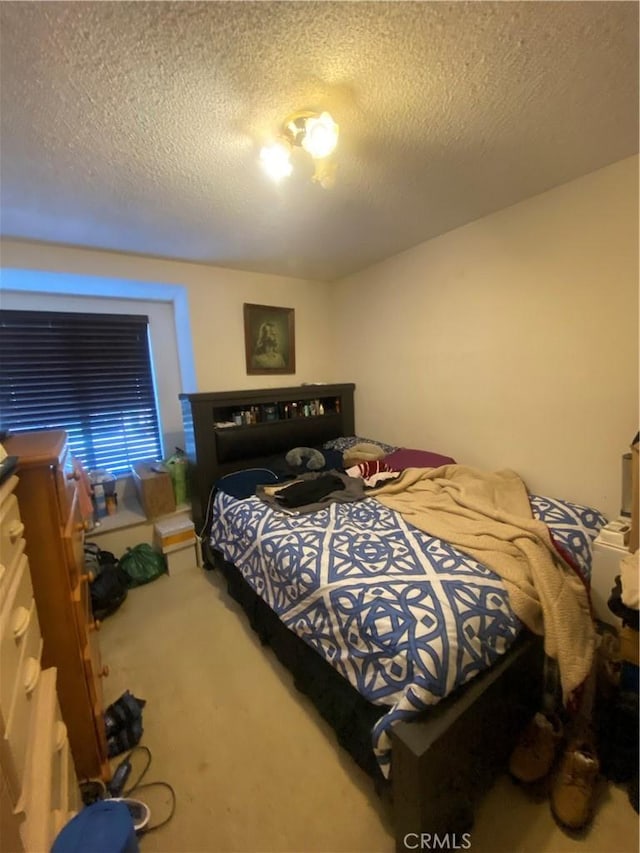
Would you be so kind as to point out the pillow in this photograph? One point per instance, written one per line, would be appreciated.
(363, 452)
(242, 484)
(574, 526)
(407, 458)
(346, 441)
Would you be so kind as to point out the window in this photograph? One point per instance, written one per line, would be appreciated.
(89, 374)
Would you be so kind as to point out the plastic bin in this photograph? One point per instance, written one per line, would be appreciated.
(176, 537)
(103, 493)
(178, 530)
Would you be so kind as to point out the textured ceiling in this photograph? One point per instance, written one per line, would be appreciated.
(137, 126)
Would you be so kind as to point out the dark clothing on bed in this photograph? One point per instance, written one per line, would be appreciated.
(303, 492)
(343, 489)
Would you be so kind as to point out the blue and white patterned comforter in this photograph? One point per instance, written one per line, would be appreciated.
(404, 617)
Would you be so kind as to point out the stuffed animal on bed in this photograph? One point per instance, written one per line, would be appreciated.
(299, 455)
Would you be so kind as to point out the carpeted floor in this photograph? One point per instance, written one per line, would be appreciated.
(253, 765)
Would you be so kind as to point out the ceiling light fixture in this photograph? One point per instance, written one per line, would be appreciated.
(316, 133)
(275, 159)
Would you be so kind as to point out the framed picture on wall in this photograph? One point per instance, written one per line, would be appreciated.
(269, 339)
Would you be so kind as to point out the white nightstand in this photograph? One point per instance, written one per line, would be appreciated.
(604, 569)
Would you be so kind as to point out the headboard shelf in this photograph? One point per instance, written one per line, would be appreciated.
(272, 421)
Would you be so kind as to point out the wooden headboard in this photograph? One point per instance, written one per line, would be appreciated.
(273, 421)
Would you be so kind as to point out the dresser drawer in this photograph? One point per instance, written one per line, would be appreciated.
(95, 671)
(36, 797)
(11, 535)
(74, 800)
(17, 728)
(65, 791)
(16, 615)
(81, 598)
(60, 819)
(8, 574)
(9, 821)
(73, 540)
(60, 761)
(9, 553)
(65, 478)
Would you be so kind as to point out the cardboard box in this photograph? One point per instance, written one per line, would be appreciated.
(178, 530)
(155, 489)
(181, 557)
(635, 497)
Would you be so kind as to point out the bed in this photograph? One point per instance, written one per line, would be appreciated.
(407, 648)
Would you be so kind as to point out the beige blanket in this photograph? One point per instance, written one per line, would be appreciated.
(488, 516)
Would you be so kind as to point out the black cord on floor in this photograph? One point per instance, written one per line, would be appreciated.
(171, 811)
(138, 787)
(139, 748)
(208, 515)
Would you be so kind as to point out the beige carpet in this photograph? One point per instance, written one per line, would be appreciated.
(254, 766)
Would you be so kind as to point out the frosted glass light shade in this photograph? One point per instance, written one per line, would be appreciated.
(275, 160)
(321, 136)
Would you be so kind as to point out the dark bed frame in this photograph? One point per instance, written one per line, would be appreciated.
(443, 761)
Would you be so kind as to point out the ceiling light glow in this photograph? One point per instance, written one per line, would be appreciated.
(316, 133)
(275, 159)
(321, 136)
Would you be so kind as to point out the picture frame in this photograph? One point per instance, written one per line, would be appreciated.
(269, 339)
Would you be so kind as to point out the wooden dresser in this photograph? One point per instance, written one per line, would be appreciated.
(39, 791)
(47, 493)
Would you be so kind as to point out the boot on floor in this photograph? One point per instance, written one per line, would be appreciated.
(573, 789)
(535, 752)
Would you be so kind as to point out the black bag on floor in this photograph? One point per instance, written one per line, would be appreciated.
(109, 586)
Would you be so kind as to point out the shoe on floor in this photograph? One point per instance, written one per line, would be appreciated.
(122, 713)
(536, 750)
(125, 739)
(573, 789)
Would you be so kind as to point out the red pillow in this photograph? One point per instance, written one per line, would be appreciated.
(407, 458)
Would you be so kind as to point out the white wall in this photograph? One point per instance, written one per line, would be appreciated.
(509, 342)
(215, 297)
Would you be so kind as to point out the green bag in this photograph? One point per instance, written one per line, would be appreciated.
(142, 564)
(177, 468)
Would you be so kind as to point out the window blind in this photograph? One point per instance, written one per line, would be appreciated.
(89, 374)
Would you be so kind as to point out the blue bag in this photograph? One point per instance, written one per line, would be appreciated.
(106, 826)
